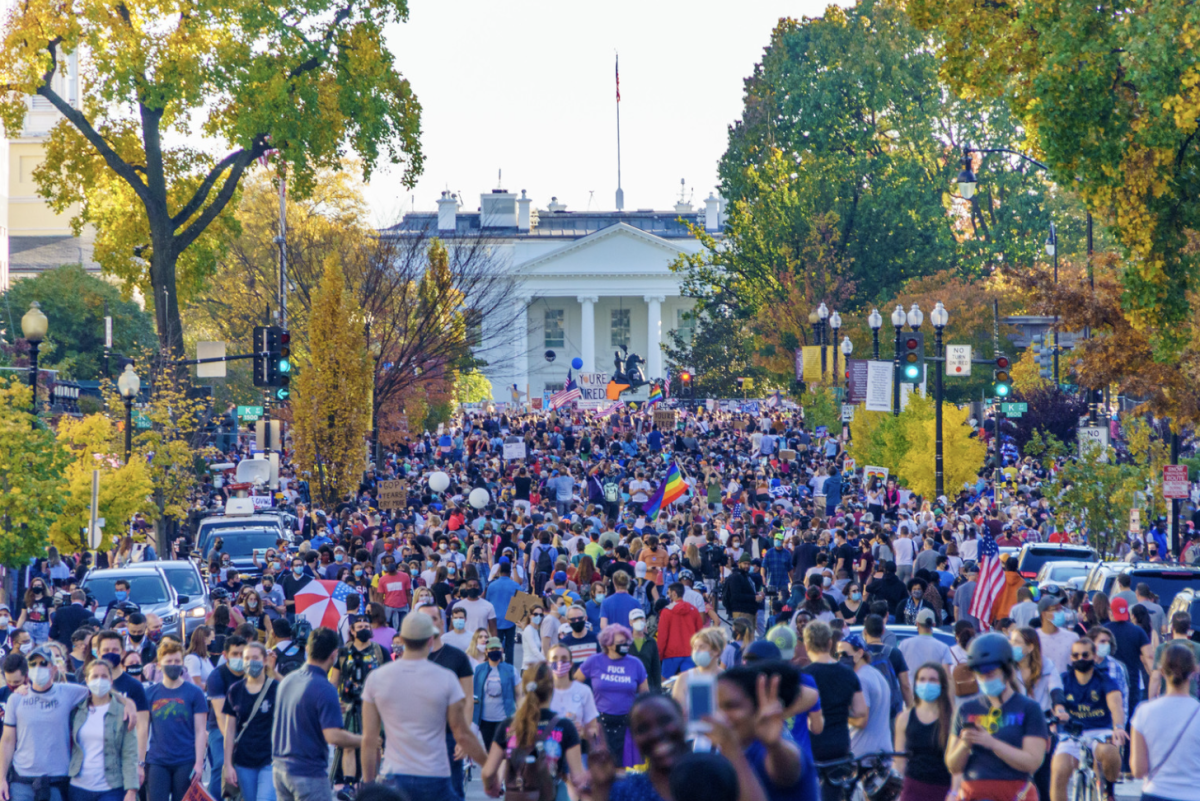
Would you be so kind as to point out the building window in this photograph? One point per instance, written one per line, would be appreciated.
(553, 386)
(620, 328)
(554, 328)
(685, 324)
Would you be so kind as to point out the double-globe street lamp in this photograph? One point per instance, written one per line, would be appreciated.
(128, 384)
(898, 318)
(876, 322)
(34, 326)
(940, 318)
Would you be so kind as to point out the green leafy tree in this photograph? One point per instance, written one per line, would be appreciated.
(74, 302)
(822, 408)
(311, 81)
(718, 353)
(33, 484)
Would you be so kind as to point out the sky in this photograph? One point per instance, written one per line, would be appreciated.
(521, 94)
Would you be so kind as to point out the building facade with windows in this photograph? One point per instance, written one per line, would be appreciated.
(583, 284)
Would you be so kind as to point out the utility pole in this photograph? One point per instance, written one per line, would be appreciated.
(281, 241)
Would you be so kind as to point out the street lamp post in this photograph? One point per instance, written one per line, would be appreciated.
(1052, 251)
(847, 349)
(876, 322)
(34, 326)
(835, 323)
(823, 315)
(939, 317)
(898, 318)
(128, 385)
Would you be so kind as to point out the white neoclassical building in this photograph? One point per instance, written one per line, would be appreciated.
(585, 283)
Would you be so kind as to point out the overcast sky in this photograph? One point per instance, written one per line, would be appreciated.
(527, 87)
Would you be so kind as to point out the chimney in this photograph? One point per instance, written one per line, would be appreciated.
(523, 204)
(712, 213)
(447, 211)
(554, 206)
(498, 209)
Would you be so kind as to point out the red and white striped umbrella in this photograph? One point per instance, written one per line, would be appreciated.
(323, 603)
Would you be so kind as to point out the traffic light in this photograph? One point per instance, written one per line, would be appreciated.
(277, 360)
(912, 358)
(261, 349)
(1042, 355)
(1001, 380)
(685, 383)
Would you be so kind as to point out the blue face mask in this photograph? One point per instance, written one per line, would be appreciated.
(856, 596)
(1059, 619)
(1018, 653)
(121, 595)
(928, 690)
(992, 687)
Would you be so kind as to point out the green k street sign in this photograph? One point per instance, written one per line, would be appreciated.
(249, 413)
(1014, 408)
(140, 420)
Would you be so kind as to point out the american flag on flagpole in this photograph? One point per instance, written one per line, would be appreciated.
(609, 410)
(989, 583)
(567, 394)
(265, 158)
(618, 79)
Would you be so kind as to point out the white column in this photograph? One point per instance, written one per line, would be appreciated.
(654, 362)
(588, 333)
(520, 369)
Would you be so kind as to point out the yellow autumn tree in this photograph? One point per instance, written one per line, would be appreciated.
(962, 454)
(92, 443)
(331, 405)
(1026, 375)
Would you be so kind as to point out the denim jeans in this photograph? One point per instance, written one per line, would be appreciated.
(301, 788)
(456, 768)
(24, 792)
(256, 784)
(168, 782)
(421, 788)
(79, 794)
(508, 641)
(216, 761)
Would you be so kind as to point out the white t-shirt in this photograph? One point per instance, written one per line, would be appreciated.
(479, 612)
(551, 626)
(877, 734)
(575, 703)
(198, 668)
(638, 491)
(1177, 778)
(459, 639)
(531, 646)
(904, 550)
(91, 740)
(1056, 647)
(414, 722)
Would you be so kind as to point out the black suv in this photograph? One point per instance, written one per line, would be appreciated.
(1032, 556)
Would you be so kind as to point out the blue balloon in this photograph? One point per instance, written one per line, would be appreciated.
(577, 363)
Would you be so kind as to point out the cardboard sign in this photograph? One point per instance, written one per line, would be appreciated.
(262, 501)
(393, 495)
(787, 455)
(519, 607)
(740, 425)
(514, 450)
(664, 419)
(870, 472)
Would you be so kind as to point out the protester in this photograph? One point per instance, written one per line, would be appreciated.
(923, 732)
(177, 724)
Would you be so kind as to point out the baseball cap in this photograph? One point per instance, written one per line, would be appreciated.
(637, 614)
(761, 650)
(560, 576)
(783, 637)
(640, 569)
(417, 627)
(44, 653)
(1119, 609)
(1053, 601)
(494, 642)
(926, 617)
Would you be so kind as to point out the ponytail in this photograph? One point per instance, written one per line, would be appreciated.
(539, 689)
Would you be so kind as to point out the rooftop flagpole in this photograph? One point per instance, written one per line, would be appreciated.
(620, 192)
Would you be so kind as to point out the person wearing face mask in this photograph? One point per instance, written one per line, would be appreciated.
(392, 589)
(355, 661)
(496, 691)
(707, 646)
(481, 613)
(104, 761)
(531, 638)
(137, 639)
(646, 650)
(923, 732)
(1054, 637)
(870, 732)
(219, 681)
(271, 595)
(616, 679)
(1093, 702)
(998, 740)
(906, 610)
(180, 713)
(110, 647)
(457, 634)
(6, 626)
(249, 707)
(36, 743)
(65, 620)
(35, 617)
(293, 582)
(20, 642)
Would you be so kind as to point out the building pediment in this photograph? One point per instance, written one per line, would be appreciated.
(619, 249)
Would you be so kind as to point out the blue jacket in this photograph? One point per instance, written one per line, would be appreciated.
(508, 689)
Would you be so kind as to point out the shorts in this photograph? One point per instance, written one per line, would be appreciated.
(1070, 747)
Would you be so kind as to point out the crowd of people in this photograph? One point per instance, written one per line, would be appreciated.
(570, 637)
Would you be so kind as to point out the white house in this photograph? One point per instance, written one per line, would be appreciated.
(584, 283)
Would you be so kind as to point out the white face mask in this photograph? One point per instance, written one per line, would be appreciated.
(99, 686)
(39, 676)
(702, 658)
(638, 625)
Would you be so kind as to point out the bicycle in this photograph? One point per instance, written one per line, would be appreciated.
(1086, 783)
(866, 777)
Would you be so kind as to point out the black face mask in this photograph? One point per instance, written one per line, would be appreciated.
(136, 638)
(133, 670)
(623, 649)
(578, 626)
(495, 656)
(847, 660)
(473, 593)
(1083, 665)
(362, 635)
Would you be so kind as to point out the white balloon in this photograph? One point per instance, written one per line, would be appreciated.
(439, 481)
(478, 498)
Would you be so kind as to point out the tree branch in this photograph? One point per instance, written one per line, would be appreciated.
(193, 231)
(201, 194)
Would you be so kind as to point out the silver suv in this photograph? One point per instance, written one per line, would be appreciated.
(174, 590)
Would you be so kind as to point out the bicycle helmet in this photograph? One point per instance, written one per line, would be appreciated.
(989, 650)
(220, 594)
(686, 574)
(783, 637)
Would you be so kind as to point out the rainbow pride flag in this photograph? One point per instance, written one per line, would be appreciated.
(670, 490)
(656, 395)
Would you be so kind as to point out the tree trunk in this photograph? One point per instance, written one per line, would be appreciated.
(166, 298)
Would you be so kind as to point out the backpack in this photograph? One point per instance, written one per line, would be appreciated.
(964, 680)
(532, 771)
(881, 662)
(612, 492)
(545, 567)
(289, 659)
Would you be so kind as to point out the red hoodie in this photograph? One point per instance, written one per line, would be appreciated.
(676, 625)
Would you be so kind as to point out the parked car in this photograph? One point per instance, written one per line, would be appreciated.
(172, 589)
(1033, 555)
(1060, 574)
(1167, 580)
(1187, 600)
(903, 632)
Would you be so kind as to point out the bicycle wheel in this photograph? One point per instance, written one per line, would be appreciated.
(1081, 786)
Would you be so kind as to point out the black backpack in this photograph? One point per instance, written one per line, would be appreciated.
(545, 566)
(532, 773)
(881, 662)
